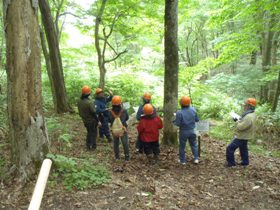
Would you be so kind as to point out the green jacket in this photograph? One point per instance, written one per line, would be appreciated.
(87, 111)
(246, 127)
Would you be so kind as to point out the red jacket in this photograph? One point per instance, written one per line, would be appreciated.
(148, 128)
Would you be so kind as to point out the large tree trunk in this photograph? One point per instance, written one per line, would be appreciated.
(171, 70)
(27, 131)
(61, 103)
(100, 54)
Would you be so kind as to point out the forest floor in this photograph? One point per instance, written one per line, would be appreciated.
(166, 185)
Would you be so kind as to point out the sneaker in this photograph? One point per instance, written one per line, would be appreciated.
(196, 161)
(182, 163)
(126, 158)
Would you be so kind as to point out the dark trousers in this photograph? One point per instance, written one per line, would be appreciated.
(139, 145)
(124, 140)
(91, 135)
(243, 147)
(104, 128)
(151, 147)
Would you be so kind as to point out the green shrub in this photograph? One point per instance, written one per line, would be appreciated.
(216, 105)
(77, 173)
(222, 131)
(243, 83)
(131, 89)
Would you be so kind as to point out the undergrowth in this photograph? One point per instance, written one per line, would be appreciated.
(77, 173)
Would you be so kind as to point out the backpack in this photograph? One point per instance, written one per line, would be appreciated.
(117, 127)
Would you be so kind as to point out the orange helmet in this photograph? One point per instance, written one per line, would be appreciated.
(98, 90)
(251, 102)
(148, 109)
(147, 96)
(185, 101)
(116, 100)
(86, 90)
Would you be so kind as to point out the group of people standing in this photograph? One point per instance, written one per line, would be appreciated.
(97, 115)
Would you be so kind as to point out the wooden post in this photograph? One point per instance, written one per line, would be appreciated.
(40, 185)
(198, 138)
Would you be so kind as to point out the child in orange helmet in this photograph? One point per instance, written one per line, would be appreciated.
(146, 100)
(119, 111)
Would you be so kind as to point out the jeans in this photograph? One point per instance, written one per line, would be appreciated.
(91, 135)
(104, 128)
(243, 147)
(185, 135)
(124, 140)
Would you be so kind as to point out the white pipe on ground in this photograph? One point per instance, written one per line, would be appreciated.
(40, 185)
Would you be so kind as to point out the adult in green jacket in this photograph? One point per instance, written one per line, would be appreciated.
(245, 130)
(88, 114)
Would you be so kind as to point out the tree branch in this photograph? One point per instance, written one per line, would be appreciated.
(115, 58)
(70, 13)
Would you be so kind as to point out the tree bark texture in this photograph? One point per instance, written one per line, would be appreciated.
(61, 103)
(171, 70)
(27, 130)
(100, 54)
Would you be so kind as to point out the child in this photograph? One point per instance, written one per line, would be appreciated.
(245, 131)
(89, 117)
(118, 111)
(101, 109)
(148, 131)
(185, 120)
(146, 100)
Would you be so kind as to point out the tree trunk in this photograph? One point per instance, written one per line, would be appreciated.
(275, 45)
(27, 131)
(266, 62)
(61, 103)
(277, 93)
(48, 63)
(274, 63)
(100, 55)
(171, 70)
(253, 60)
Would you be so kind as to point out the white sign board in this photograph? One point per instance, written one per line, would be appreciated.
(202, 126)
(126, 105)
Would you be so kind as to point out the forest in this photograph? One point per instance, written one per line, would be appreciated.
(217, 52)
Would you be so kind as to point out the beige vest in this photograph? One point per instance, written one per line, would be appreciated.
(246, 127)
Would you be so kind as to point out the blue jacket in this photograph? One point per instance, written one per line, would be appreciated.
(101, 105)
(186, 118)
(140, 111)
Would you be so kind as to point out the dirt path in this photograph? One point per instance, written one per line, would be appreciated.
(166, 185)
